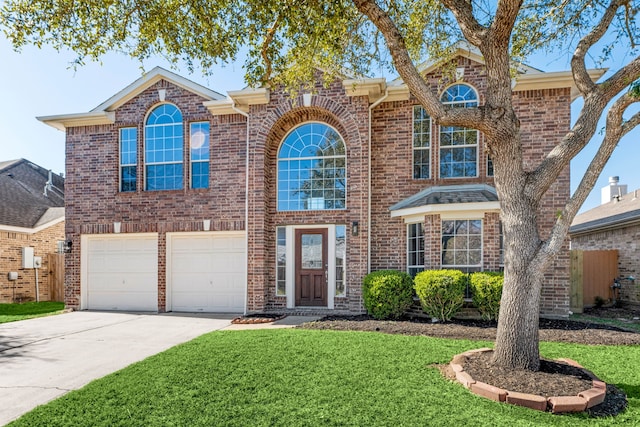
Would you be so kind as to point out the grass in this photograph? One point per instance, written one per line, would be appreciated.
(626, 325)
(309, 378)
(29, 310)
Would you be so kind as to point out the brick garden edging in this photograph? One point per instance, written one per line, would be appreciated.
(556, 404)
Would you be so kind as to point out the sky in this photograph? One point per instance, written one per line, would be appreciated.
(39, 82)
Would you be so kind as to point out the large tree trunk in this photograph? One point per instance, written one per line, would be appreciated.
(517, 341)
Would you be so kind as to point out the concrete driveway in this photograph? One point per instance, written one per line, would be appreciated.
(42, 359)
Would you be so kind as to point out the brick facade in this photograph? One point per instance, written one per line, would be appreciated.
(378, 176)
(44, 242)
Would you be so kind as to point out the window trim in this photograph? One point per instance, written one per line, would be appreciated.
(413, 143)
(478, 133)
(207, 161)
(144, 148)
(277, 159)
(409, 252)
(478, 266)
(122, 165)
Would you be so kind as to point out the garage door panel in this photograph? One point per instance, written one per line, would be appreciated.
(122, 273)
(208, 273)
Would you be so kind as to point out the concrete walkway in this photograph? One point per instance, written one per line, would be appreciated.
(42, 359)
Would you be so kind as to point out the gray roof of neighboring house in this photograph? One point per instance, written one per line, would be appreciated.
(448, 194)
(616, 213)
(23, 202)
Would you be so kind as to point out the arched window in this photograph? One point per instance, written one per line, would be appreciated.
(312, 169)
(459, 145)
(163, 141)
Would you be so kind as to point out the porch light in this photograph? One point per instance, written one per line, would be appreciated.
(354, 228)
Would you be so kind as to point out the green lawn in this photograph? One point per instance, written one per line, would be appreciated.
(309, 378)
(28, 310)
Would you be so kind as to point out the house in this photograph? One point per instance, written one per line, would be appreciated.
(182, 199)
(614, 225)
(31, 224)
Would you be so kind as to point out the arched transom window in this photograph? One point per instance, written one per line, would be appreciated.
(163, 145)
(312, 169)
(459, 145)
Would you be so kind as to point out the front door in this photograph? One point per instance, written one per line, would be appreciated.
(311, 267)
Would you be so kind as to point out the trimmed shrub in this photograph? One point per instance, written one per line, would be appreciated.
(387, 294)
(486, 288)
(441, 292)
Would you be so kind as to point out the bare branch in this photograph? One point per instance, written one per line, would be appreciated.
(504, 21)
(265, 48)
(400, 56)
(620, 80)
(615, 129)
(580, 75)
(471, 28)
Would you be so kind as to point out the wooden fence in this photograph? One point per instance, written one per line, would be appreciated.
(56, 277)
(592, 274)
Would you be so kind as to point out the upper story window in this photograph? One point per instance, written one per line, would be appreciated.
(421, 143)
(459, 145)
(312, 169)
(199, 154)
(163, 145)
(128, 158)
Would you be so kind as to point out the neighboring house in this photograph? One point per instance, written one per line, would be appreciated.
(31, 216)
(181, 199)
(614, 225)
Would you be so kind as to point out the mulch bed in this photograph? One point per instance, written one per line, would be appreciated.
(553, 379)
(253, 319)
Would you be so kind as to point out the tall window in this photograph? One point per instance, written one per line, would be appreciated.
(458, 145)
(415, 249)
(421, 143)
(199, 146)
(489, 166)
(163, 144)
(281, 261)
(341, 256)
(312, 169)
(128, 158)
(462, 244)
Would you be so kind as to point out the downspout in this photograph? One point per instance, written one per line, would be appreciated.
(371, 107)
(246, 206)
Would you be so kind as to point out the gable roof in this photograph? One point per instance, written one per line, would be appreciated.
(615, 214)
(528, 78)
(104, 113)
(25, 205)
(448, 198)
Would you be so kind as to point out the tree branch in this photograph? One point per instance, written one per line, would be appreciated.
(580, 75)
(463, 12)
(401, 60)
(615, 129)
(503, 23)
(268, 38)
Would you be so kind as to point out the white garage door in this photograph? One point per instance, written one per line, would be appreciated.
(207, 272)
(122, 272)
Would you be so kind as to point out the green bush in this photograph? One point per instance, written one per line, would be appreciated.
(387, 294)
(486, 288)
(441, 292)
